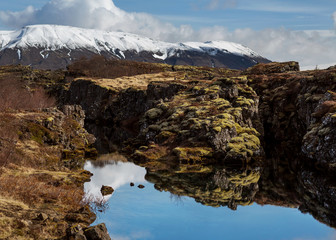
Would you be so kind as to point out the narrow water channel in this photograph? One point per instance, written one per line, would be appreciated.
(147, 213)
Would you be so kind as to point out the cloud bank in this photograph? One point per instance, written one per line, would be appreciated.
(309, 48)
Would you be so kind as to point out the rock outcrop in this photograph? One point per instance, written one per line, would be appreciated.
(98, 232)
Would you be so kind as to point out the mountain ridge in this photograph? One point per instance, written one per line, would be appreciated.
(34, 44)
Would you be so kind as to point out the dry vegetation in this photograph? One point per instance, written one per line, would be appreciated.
(33, 180)
(137, 82)
(101, 67)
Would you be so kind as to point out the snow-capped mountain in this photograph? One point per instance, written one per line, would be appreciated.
(52, 46)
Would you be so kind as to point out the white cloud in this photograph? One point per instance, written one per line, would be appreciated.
(17, 18)
(309, 48)
(114, 174)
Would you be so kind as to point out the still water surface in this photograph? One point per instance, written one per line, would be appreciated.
(147, 213)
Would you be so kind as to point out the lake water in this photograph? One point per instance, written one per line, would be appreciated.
(147, 213)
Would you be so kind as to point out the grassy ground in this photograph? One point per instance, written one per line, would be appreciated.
(41, 193)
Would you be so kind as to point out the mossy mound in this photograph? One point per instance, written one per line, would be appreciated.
(203, 122)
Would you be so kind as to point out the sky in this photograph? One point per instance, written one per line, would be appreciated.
(281, 30)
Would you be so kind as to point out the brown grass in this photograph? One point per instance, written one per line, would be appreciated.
(32, 190)
(31, 171)
(14, 96)
(101, 67)
(138, 82)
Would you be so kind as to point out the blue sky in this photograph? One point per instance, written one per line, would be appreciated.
(233, 14)
(280, 30)
(298, 15)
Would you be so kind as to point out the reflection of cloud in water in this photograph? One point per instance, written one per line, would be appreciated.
(114, 174)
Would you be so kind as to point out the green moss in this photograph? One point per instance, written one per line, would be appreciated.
(198, 124)
(237, 140)
(193, 153)
(323, 131)
(193, 168)
(246, 91)
(236, 112)
(226, 81)
(242, 101)
(196, 88)
(243, 145)
(215, 88)
(154, 127)
(225, 116)
(91, 153)
(39, 133)
(223, 123)
(154, 152)
(164, 135)
(177, 114)
(172, 128)
(153, 113)
(220, 102)
(217, 129)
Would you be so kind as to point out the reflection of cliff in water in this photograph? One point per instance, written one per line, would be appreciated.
(305, 187)
(212, 186)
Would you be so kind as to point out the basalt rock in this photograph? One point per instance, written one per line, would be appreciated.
(98, 232)
(106, 190)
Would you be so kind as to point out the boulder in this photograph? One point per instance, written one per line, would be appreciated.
(98, 232)
(75, 232)
(106, 190)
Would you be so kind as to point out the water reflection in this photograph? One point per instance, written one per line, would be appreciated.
(112, 173)
(212, 187)
(150, 214)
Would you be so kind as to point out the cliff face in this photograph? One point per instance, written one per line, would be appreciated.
(298, 115)
(183, 122)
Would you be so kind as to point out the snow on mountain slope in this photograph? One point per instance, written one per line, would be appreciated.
(53, 37)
